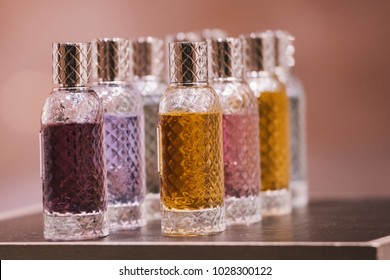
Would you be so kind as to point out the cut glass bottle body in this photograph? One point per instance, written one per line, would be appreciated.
(124, 152)
(73, 177)
(151, 89)
(240, 123)
(298, 158)
(191, 165)
(274, 143)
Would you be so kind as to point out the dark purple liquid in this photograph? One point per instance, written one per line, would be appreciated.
(124, 159)
(73, 162)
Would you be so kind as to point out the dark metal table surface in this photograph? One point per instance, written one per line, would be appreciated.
(345, 229)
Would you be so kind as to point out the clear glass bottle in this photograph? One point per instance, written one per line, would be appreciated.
(296, 97)
(148, 69)
(73, 177)
(274, 123)
(190, 146)
(124, 133)
(240, 122)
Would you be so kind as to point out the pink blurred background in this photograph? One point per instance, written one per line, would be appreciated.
(343, 56)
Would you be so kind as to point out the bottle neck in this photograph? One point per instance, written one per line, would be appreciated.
(227, 79)
(112, 82)
(260, 74)
(71, 88)
(147, 78)
(192, 84)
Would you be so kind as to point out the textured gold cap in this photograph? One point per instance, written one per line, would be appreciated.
(259, 52)
(111, 59)
(71, 64)
(148, 56)
(188, 62)
(226, 58)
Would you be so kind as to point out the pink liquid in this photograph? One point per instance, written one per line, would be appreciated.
(241, 155)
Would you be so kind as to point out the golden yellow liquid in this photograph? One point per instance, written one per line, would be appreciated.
(274, 140)
(191, 173)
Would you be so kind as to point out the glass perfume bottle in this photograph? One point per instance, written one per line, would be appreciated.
(124, 133)
(148, 69)
(240, 122)
(274, 123)
(296, 97)
(73, 177)
(190, 146)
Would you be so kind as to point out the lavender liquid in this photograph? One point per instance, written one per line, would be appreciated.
(73, 162)
(124, 159)
(240, 154)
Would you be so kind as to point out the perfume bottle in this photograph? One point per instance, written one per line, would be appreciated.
(190, 146)
(73, 177)
(240, 122)
(296, 97)
(274, 123)
(124, 133)
(148, 69)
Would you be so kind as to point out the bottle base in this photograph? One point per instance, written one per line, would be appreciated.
(243, 210)
(299, 193)
(126, 216)
(75, 226)
(195, 222)
(276, 203)
(152, 206)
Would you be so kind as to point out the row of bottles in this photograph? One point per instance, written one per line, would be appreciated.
(221, 152)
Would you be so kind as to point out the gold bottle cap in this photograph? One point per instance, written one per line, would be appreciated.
(71, 64)
(226, 58)
(148, 57)
(260, 52)
(111, 59)
(188, 62)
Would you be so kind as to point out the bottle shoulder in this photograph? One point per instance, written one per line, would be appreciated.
(265, 84)
(149, 86)
(119, 97)
(72, 105)
(236, 97)
(193, 98)
(294, 87)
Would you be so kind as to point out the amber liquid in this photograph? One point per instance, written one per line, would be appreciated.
(191, 173)
(274, 140)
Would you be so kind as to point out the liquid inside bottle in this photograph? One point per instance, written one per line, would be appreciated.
(74, 174)
(241, 168)
(191, 170)
(124, 163)
(274, 151)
